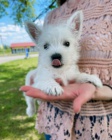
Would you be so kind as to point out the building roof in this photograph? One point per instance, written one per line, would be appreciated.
(22, 45)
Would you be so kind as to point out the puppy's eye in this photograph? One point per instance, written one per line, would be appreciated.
(46, 46)
(66, 43)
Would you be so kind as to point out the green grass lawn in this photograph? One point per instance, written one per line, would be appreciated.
(14, 123)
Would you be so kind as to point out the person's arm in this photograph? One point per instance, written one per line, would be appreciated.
(78, 93)
(104, 93)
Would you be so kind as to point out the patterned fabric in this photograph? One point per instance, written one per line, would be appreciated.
(55, 122)
(95, 119)
(93, 123)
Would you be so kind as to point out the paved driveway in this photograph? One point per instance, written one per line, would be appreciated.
(4, 59)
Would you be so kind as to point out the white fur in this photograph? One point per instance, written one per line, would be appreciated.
(45, 75)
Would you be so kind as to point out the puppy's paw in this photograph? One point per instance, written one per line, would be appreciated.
(54, 90)
(83, 78)
(50, 88)
(30, 111)
(95, 80)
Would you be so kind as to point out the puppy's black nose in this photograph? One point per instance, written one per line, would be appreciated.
(56, 56)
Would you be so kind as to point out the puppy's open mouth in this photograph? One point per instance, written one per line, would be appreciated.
(56, 63)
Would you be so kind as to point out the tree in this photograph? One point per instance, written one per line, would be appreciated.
(51, 4)
(22, 10)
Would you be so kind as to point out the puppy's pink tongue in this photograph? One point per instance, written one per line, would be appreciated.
(56, 62)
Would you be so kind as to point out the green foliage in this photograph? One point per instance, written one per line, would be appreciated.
(24, 10)
(14, 123)
(5, 51)
(44, 7)
(3, 5)
(20, 10)
(6, 47)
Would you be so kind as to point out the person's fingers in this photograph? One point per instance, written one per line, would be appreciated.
(33, 92)
(25, 88)
(80, 100)
(58, 80)
(71, 81)
(36, 93)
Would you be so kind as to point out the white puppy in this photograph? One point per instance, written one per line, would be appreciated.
(59, 50)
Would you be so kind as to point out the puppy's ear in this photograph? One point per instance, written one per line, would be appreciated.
(32, 30)
(75, 22)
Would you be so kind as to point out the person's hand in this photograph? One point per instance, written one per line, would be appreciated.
(78, 93)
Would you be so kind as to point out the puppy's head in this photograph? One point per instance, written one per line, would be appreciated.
(58, 44)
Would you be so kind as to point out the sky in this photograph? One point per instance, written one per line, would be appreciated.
(10, 33)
